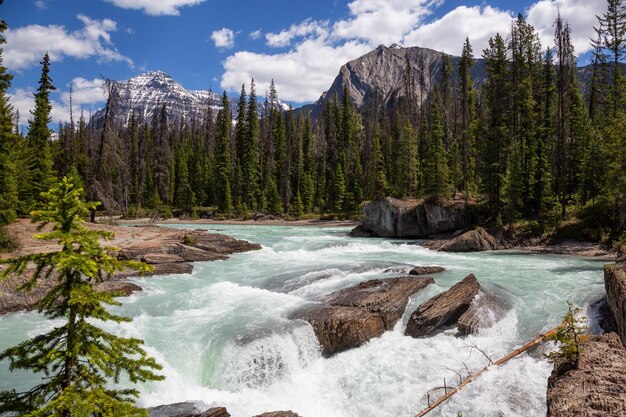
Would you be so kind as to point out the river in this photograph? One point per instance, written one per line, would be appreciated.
(223, 338)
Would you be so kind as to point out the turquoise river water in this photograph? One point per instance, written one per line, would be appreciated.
(223, 337)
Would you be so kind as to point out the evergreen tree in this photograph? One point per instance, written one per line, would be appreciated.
(251, 154)
(9, 141)
(496, 127)
(436, 181)
(223, 164)
(612, 31)
(378, 179)
(541, 175)
(78, 359)
(468, 116)
(37, 153)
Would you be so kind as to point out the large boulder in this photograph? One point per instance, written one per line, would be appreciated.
(186, 409)
(391, 217)
(278, 414)
(443, 309)
(426, 270)
(350, 317)
(484, 311)
(476, 240)
(596, 386)
(615, 285)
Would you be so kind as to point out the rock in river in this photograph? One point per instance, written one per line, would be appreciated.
(596, 386)
(426, 270)
(350, 317)
(443, 309)
(391, 217)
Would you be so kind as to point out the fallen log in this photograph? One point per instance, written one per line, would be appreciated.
(499, 362)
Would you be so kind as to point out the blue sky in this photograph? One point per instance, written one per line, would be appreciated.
(220, 45)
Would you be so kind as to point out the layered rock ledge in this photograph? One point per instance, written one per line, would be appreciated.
(169, 251)
(615, 285)
(443, 309)
(348, 318)
(465, 304)
(192, 409)
(391, 217)
(596, 387)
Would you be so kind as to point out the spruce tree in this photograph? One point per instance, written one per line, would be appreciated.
(9, 141)
(251, 153)
(78, 360)
(468, 116)
(378, 179)
(223, 164)
(496, 91)
(37, 153)
(436, 174)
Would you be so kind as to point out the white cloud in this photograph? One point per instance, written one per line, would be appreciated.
(300, 74)
(86, 94)
(319, 49)
(156, 7)
(26, 45)
(223, 38)
(383, 21)
(580, 14)
(448, 33)
(256, 34)
(41, 4)
(306, 28)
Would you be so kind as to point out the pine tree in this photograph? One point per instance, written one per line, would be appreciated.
(468, 116)
(436, 180)
(496, 126)
(563, 150)
(223, 164)
(338, 190)
(612, 31)
(541, 175)
(37, 153)
(8, 144)
(79, 360)
(251, 154)
(408, 163)
(378, 179)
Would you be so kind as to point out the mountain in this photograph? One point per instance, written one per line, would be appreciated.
(146, 94)
(379, 75)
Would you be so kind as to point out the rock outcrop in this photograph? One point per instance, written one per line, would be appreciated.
(615, 285)
(390, 217)
(484, 311)
(596, 387)
(279, 414)
(476, 240)
(350, 317)
(426, 270)
(443, 309)
(186, 409)
(169, 251)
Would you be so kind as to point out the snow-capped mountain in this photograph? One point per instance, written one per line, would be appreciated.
(146, 94)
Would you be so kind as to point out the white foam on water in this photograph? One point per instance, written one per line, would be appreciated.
(224, 338)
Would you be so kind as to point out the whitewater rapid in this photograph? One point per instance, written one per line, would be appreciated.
(223, 337)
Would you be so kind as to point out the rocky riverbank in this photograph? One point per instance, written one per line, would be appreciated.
(169, 251)
(451, 228)
(596, 385)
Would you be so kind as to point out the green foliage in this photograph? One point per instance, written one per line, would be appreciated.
(7, 244)
(569, 337)
(79, 360)
(37, 154)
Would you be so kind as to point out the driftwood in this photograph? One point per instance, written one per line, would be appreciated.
(499, 362)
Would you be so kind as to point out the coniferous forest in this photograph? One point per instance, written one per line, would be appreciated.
(539, 140)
